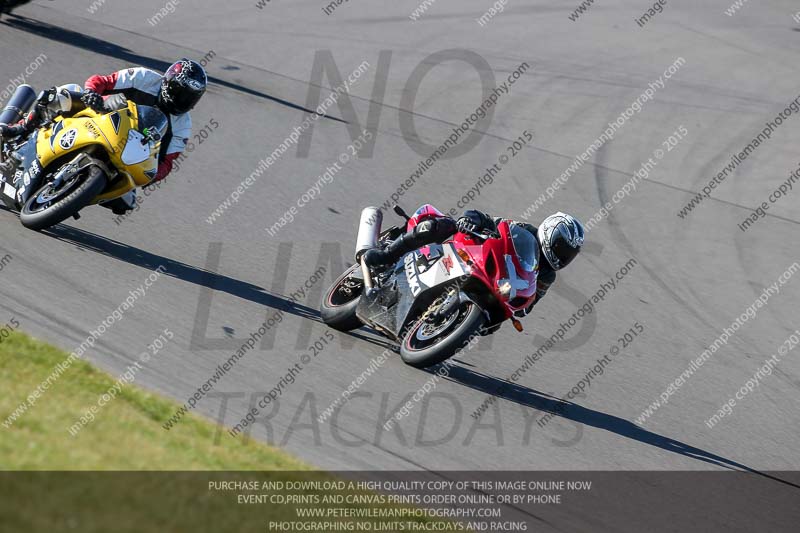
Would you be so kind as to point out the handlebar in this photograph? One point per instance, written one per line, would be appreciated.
(150, 135)
(482, 236)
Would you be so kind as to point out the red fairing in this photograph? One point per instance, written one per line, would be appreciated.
(489, 266)
(101, 84)
(488, 261)
(165, 167)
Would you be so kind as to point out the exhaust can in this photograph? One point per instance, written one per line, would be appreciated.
(368, 230)
(19, 104)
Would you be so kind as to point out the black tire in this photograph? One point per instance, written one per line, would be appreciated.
(34, 217)
(338, 310)
(465, 328)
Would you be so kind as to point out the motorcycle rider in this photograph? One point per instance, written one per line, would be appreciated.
(560, 237)
(175, 93)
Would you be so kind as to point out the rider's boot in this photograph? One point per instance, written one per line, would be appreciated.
(10, 132)
(61, 99)
(122, 205)
(22, 128)
(426, 232)
(25, 126)
(377, 258)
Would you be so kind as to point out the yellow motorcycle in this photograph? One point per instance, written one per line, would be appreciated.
(84, 159)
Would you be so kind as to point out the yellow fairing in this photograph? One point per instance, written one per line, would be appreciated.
(89, 131)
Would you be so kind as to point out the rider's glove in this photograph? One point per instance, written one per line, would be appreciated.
(470, 222)
(94, 102)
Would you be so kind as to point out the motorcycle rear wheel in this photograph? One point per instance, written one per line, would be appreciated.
(48, 207)
(338, 308)
(422, 349)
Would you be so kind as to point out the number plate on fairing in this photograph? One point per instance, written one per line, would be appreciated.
(137, 149)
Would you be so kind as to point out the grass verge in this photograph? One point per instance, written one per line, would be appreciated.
(133, 476)
(127, 432)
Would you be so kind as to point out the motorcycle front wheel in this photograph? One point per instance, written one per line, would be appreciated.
(51, 205)
(430, 342)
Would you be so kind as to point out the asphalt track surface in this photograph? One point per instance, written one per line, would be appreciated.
(692, 278)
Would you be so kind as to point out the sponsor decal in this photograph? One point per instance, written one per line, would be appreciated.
(9, 191)
(411, 274)
(194, 84)
(92, 130)
(35, 167)
(447, 263)
(21, 187)
(68, 139)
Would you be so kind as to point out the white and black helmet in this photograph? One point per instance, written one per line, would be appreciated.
(561, 238)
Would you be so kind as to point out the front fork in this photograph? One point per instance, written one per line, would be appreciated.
(81, 162)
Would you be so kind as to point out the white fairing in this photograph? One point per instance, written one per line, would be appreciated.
(368, 230)
(135, 151)
(448, 267)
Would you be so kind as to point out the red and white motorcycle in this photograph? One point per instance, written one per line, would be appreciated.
(437, 298)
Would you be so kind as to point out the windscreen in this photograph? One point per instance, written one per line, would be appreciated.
(151, 120)
(428, 209)
(525, 246)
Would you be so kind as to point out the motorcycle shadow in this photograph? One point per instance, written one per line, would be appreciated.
(93, 242)
(546, 403)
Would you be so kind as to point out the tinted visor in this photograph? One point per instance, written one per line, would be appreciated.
(563, 251)
(181, 98)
